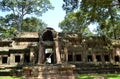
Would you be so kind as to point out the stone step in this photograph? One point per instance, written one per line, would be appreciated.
(51, 77)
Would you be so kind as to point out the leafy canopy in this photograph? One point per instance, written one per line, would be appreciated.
(8, 25)
(20, 8)
(75, 22)
(103, 12)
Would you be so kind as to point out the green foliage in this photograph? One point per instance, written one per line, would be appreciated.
(8, 25)
(70, 5)
(103, 12)
(6, 32)
(75, 22)
(33, 24)
(20, 8)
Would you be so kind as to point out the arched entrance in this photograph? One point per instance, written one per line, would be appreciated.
(48, 51)
(48, 41)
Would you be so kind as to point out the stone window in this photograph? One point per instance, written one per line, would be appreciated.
(17, 58)
(117, 59)
(70, 58)
(98, 58)
(4, 60)
(78, 57)
(89, 58)
(106, 57)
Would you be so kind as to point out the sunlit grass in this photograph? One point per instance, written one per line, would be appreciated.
(81, 76)
(9, 77)
(91, 76)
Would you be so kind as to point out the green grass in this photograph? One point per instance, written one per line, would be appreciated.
(81, 76)
(91, 76)
(9, 77)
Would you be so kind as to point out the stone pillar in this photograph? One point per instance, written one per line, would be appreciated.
(12, 59)
(111, 58)
(102, 58)
(94, 58)
(0, 59)
(74, 59)
(32, 55)
(22, 58)
(41, 55)
(8, 61)
(66, 53)
(84, 56)
(57, 50)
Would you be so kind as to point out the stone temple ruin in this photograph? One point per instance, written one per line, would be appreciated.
(47, 50)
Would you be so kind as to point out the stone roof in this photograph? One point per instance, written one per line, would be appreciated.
(6, 49)
(27, 35)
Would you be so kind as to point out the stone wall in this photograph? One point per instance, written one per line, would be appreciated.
(49, 72)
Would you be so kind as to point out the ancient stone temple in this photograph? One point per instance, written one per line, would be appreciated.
(63, 51)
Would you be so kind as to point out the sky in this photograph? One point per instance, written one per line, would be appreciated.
(53, 17)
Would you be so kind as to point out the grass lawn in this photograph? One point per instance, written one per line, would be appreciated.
(91, 76)
(9, 77)
(81, 76)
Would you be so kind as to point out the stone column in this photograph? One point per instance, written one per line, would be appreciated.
(84, 56)
(102, 58)
(111, 58)
(41, 54)
(0, 59)
(66, 53)
(32, 55)
(94, 58)
(57, 50)
(22, 58)
(73, 56)
(12, 59)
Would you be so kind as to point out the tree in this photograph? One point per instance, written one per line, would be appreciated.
(75, 22)
(102, 12)
(8, 25)
(70, 5)
(21, 8)
(110, 28)
(6, 32)
(33, 24)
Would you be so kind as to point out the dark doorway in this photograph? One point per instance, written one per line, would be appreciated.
(106, 57)
(98, 58)
(47, 36)
(4, 60)
(89, 57)
(17, 58)
(70, 58)
(26, 58)
(116, 58)
(78, 57)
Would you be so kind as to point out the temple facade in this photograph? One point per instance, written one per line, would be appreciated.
(51, 47)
